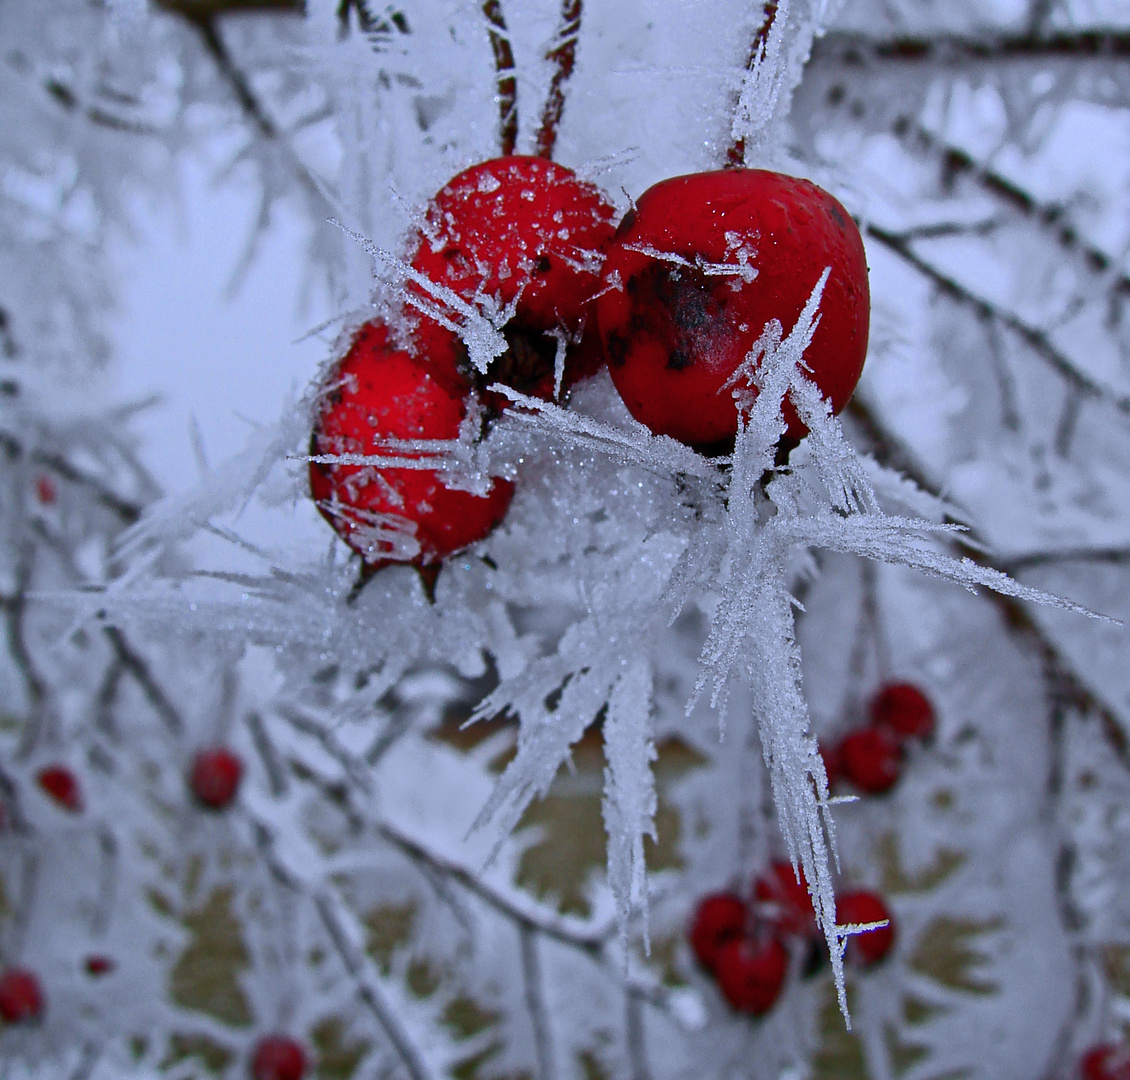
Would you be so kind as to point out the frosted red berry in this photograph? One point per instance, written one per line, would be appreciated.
(871, 759)
(718, 919)
(278, 1057)
(519, 229)
(675, 328)
(751, 973)
(1106, 1062)
(97, 965)
(61, 785)
(216, 773)
(863, 906)
(21, 998)
(790, 906)
(904, 710)
(380, 392)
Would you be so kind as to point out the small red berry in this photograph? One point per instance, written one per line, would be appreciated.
(45, 490)
(719, 918)
(830, 753)
(376, 393)
(21, 998)
(1109, 1061)
(215, 777)
(871, 759)
(903, 709)
(99, 965)
(752, 973)
(519, 229)
(278, 1057)
(866, 907)
(675, 328)
(779, 887)
(58, 782)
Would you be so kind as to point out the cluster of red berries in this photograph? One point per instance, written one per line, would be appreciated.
(745, 944)
(871, 757)
(671, 299)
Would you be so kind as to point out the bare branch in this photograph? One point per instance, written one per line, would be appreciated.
(563, 56)
(535, 1002)
(506, 81)
(857, 49)
(139, 671)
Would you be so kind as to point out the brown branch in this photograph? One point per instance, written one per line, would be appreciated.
(506, 81)
(210, 9)
(563, 57)
(735, 154)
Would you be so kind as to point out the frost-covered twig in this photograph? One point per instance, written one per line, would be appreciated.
(535, 1002)
(562, 55)
(506, 81)
(735, 153)
(139, 671)
(14, 606)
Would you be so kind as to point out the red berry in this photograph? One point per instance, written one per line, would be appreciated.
(1106, 1062)
(871, 759)
(674, 333)
(376, 393)
(60, 784)
(719, 918)
(752, 973)
(866, 907)
(20, 996)
(216, 773)
(45, 490)
(830, 753)
(903, 709)
(99, 965)
(278, 1057)
(519, 228)
(793, 913)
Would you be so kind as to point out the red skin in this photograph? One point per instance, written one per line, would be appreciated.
(1109, 1061)
(59, 783)
(794, 912)
(830, 753)
(904, 710)
(751, 973)
(99, 965)
(871, 759)
(718, 919)
(21, 998)
(496, 229)
(278, 1057)
(863, 906)
(673, 335)
(45, 490)
(380, 392)
(215, 777)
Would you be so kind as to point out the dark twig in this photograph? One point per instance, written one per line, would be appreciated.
(506, 80)
(562, 56)
(857, 49)
(14, 606)
(1117, 555)
(139, 671)
(735, 154)
(535, 1002)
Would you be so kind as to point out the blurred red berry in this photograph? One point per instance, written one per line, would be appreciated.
(58, 782)
(830, 754)
(871, 759)
(779, 887)
(719, 918)
(751, 973)
(1109, 1061)
(215, 776)
(21, 998)
(99, 965)
(903, 709)
(863, 906)
(278, 1057)
(45, 490)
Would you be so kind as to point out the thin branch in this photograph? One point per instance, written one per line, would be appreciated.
(1117, 555)
(562, 56)
(735, 153)
(66, 98)
(535, 1002)
(635, 1035)
(506, 80)
(1036, 339)
(858, 49)
(14, 606)
(139, 671)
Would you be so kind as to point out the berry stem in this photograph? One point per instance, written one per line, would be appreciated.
(735, 154)
(506, 80)
(562, 55)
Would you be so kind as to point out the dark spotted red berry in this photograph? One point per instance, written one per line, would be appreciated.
(863, 906)
(278, 1057)
(60, 784)
(527, 230)
(216, 773)
(751, 973)
(871, 759)
(698, 269)
(719, 918)
(786, 900)
(21, 998)
(904, 710)
(379, 392)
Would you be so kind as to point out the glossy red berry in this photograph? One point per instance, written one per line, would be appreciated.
(60, 784)
(719, 918)
(21, 998)
(278, 1057)
(904, 710)
(1109, 1061)
(676, 321)
(790, 905)
(99, 965)
(863, 906)
(871, 759)
(376, 393)
(519, 229)
(751, 973)
(215, 777)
